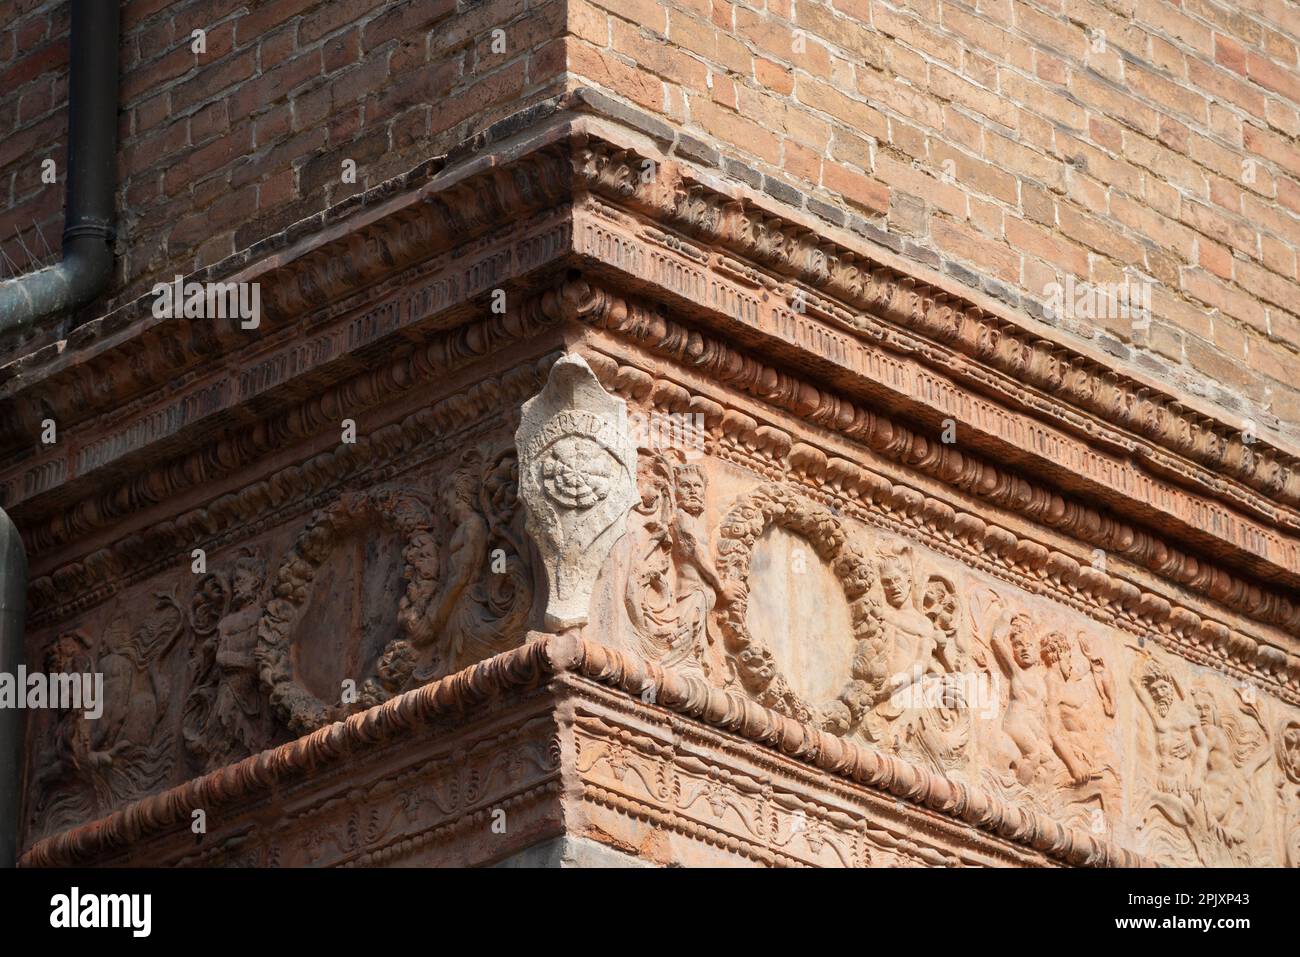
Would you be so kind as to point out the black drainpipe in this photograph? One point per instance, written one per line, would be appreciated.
(81, 276)
(13, 591)
(88, 220)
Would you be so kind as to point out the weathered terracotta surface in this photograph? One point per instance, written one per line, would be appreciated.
(816, 633)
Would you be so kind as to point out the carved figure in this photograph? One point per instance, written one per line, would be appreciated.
(1024, 724)
(1287, 744)
(1234, 753)
(92, 766)
(226, 713)
(475, 601)
(911, 639)
(1181, 749)
(673, 584)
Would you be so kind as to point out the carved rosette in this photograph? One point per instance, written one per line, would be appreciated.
(577, 473)
(756, 669)
(396, 511)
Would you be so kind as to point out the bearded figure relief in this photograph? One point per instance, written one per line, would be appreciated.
(1204, 809)
(226, 715)
(1180, 749)
(91, 766)
(673, 584)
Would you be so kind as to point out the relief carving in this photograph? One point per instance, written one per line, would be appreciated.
(226, 717)
(1288, 789)
(86, 767)
(577, 472)
(751, 663)
(1202, 810)
(940, 692)
(672, 584)
(478, 604)
(1050, 746)
(914, 647)
(359, 515)
(467, 596)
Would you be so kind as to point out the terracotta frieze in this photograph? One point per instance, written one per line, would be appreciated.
(902, 583)
(887, 829)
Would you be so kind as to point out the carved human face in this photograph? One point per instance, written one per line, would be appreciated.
(1022, 646)
(690, 491)
(1162, 693)
(1206, 710)
(246, 582)
(62, 656)
(1056, 651)
(396, 663)
(940, 604)
(423, 553)
(896, 581)
(459, 494)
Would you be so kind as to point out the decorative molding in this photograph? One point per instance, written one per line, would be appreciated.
(773, 505)
(708, 356)
(90, 579)
(872, 497)
(743, 226)
(928, 386)
(1190, 633)
(462, 695)
(397, 510)
(466, 202)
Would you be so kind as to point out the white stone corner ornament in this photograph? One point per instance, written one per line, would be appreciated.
(577, 480)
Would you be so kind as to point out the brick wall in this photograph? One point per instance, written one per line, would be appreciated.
(223, 148)
(1011, 144)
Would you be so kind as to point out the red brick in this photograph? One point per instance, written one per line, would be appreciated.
(862, 191)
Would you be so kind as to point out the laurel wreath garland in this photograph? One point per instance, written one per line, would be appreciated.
(755, 666)
(402, 512)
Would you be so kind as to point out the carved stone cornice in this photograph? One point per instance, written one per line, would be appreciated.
(1189, 632)
(330, 260)
(394, 226)
(402, 316)
(706, 211)
(651, 330)
(499, 680)
(392, 281)
(88, 581)
(854, 358)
